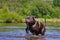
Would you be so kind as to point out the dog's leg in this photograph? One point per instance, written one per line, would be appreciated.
(27, 29)
(43, 31)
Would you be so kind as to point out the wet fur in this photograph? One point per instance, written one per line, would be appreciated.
(38, 28)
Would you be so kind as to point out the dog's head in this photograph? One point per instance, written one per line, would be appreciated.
(30, 19)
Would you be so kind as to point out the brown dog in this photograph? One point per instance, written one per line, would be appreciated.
(34, 27)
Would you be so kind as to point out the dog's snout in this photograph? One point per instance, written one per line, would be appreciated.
(27, 20)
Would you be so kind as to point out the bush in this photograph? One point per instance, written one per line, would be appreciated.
(16, 10)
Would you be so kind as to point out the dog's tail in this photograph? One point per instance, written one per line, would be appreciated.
(44, 21)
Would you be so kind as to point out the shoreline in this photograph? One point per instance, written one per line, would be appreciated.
(49, 22)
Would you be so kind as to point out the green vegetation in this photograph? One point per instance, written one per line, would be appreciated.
(14, 11)
(56, 2)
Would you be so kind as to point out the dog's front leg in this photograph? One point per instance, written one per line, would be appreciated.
(27, 29)
(43, 31)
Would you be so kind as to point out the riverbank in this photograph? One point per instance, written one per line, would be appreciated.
(49, 22)
(12, 24)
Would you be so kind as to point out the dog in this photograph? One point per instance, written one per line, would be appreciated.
(34, 26)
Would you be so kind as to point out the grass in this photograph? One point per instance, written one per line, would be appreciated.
(12, 24)
(50, 22)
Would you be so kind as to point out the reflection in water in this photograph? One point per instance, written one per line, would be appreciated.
(18, 33)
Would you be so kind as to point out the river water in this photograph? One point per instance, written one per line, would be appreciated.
(18, 33)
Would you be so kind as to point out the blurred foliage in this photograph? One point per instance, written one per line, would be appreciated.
(56, 2)
(16, 10)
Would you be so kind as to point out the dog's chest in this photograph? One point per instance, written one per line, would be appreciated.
(36, 26)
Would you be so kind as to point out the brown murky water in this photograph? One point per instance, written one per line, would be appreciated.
(18, 33)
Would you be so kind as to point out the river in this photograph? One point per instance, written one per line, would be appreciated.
(18, 33)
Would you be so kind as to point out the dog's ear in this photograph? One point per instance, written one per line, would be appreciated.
(33, 18)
